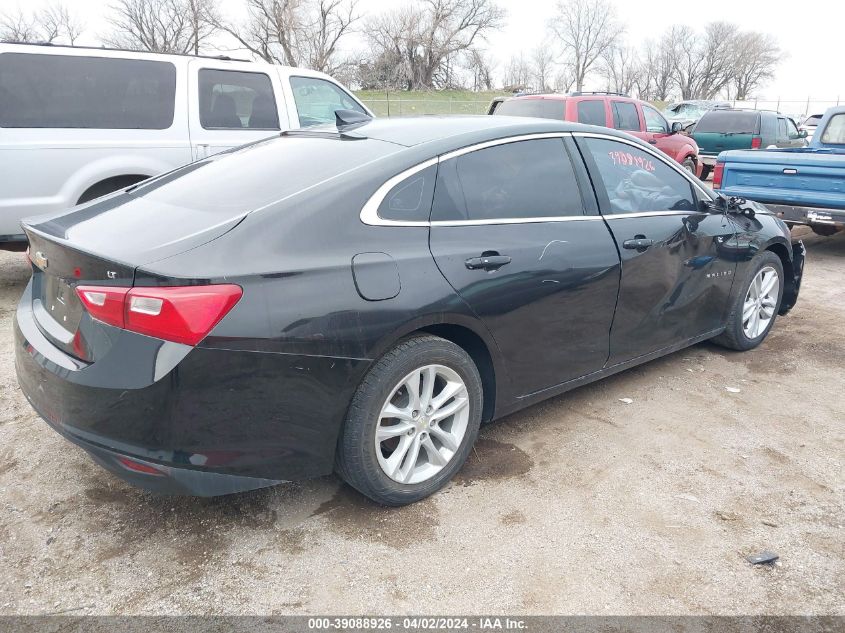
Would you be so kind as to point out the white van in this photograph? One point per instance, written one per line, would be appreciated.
(77, 123)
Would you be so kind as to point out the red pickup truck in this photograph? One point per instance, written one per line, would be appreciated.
(609, 110)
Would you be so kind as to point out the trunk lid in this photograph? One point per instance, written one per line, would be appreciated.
(717, 142)
(722, 130)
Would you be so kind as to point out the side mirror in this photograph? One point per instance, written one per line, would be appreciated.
(802, 134)
(677, 126)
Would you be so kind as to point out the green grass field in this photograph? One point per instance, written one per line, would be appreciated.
(403, 103)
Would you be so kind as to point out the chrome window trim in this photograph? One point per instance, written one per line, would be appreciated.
(369, 213)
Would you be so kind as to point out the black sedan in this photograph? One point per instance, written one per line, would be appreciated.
(361, 299)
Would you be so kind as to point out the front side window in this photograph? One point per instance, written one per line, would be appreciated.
(71, 91)
(834, 133)
(234, 100)
(591, 112)
(317, 99)
(654, 121)
(524, 179)
(625, 116)
(637, 181)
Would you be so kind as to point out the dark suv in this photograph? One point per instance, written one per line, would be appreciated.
(721, 130)
(612, 110)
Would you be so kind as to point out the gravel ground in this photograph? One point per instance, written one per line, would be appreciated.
(580, 505)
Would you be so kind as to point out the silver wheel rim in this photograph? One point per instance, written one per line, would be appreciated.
(422, 424)
(760, 302)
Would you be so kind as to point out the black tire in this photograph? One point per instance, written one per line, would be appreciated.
(734, 336)
(689, 165)
(356, 461)
(705, 172)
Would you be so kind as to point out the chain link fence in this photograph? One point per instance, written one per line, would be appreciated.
(407, 106)
(399, 106)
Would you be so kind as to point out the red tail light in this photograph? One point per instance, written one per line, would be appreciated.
(718, 172)
(756, 142)
(183, 314)
(139, 467)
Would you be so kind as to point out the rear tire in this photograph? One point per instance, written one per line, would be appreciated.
(755, 307)
(424, 434)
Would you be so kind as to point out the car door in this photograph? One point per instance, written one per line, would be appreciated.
(676, 265)
(512, 234)
(782, 133)
(626, 118)
(232, 106)
(795, 138)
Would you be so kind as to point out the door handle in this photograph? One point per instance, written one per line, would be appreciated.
(639, 243)
(487, 262)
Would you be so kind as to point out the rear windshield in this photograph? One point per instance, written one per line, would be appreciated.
(261, 174)
(64, 91)
(729, 122)
(834, 133)
(539, 108)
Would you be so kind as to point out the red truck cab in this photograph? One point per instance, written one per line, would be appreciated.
(633, 116)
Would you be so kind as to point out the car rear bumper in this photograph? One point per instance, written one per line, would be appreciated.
(13, 242)
(808, 215)
(219, 421)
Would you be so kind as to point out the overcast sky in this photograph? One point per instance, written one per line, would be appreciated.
(811, 33)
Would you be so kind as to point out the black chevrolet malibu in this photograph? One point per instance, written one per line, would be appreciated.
(360, 299)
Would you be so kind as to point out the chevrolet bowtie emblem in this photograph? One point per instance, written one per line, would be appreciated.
(40, 260)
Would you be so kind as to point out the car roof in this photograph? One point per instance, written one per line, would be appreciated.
(460, 130)
(219, 61)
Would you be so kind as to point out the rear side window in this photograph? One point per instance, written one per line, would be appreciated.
(410, 200)
(636, 181)
(524, 179)
(834, 133)
(233, 100)
(729, 122)
(317, 99)
(591, 112)
(782, 134)
(539, 108)
(625, 116)
(69, 91)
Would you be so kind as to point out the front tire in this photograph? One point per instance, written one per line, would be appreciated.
(689, 165)
(756, 306)
(412, 421)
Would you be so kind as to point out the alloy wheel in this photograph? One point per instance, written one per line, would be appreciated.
(422, 424)
(760, 302)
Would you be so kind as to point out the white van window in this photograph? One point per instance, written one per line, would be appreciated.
(69, 91)
(234, 100)
(317, 99)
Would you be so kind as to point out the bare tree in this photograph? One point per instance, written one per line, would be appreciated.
(422, 40)
(703, 66)
(517, 74)
(542, 66)
(620, 68)
(52, 24)
(564, 78)
(295, 32)
(756, 56)
(656, 79)
(162, 26)
(481, 67)
(585, 29)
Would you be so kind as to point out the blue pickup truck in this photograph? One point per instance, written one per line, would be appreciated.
(802, 185)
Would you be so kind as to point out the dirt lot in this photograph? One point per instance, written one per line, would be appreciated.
(582, 504)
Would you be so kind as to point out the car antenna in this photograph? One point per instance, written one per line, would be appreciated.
(348, 120)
